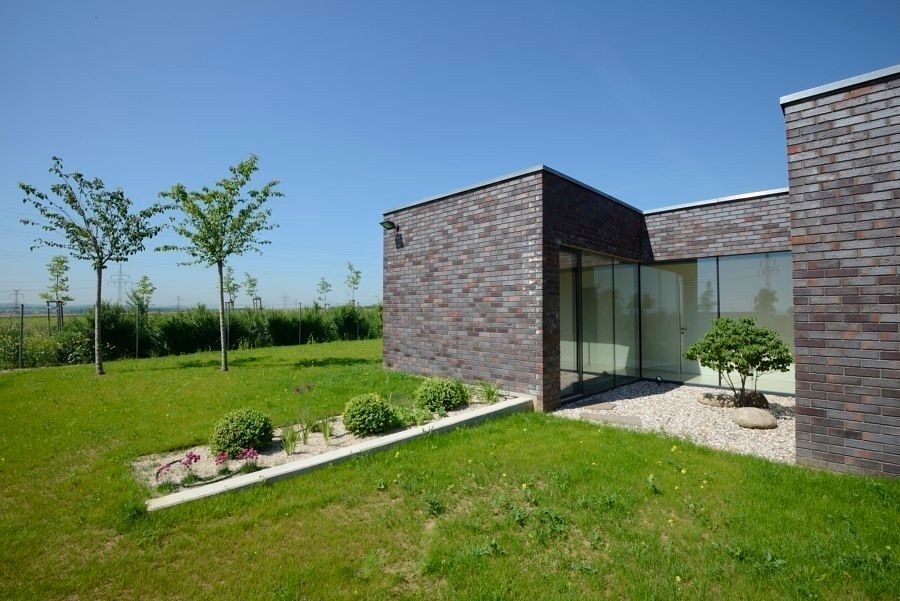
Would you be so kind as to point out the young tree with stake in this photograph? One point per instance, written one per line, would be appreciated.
(221, 222)
(250, 286)
(324, 288)
(231, 285)
(352, 281)
(58, 290)
(95, 224)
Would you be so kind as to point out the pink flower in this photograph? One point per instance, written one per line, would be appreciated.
(190, 459)
(222, 457)
(249, 455)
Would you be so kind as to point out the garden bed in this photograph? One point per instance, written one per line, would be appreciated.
(677, 410)
(165, 473)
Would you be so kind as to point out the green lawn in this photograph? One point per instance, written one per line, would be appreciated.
(528, 506)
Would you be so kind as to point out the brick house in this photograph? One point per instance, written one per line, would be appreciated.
(551, 287)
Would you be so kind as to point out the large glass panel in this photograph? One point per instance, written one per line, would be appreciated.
(627, 322)
(678, 305)
(597, 312)
(568, 327)
(761, 286)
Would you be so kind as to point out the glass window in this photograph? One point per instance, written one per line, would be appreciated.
(678, 305)
(568, 329)
(761, 286)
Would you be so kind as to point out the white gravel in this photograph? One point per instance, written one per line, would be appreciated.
(676, 410)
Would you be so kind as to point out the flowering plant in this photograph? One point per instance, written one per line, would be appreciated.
(222, 457)
(249, 455)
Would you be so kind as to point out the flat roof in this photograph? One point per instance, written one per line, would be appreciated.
(539, 168)
(509, 176)
(713, 201)
(850, 82)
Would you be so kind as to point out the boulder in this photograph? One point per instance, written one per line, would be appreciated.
(720, 399)
(751, 417)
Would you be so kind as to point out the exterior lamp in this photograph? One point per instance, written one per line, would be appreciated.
(389, 225)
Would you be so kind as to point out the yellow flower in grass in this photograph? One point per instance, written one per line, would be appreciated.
(677, 578)
(524, 485)
(683, 471)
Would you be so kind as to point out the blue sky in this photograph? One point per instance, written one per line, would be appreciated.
(360, 107)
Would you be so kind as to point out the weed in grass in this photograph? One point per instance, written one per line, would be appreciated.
(166, 487)
(651, 483)
(288, 439)
(324, 426)
(550, 525)
(132, 512)
(434, 505)
(489, 550)
(380, 485)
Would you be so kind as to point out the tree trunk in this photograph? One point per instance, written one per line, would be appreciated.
(98, 352)
(224, 366)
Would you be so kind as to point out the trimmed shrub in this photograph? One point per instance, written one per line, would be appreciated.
(441, 394)
(368, 414)
(242, 429)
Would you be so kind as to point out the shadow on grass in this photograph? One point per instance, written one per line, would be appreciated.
(330, 361)
(237, 362)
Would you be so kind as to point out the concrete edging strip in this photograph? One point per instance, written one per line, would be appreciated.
(295, 468)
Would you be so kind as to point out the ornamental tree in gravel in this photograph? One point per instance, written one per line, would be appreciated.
(742, 347)
(221, 222)
(92, 223)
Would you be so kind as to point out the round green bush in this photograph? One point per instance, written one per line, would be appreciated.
(368, 414)
(242, 429)
(441, 394)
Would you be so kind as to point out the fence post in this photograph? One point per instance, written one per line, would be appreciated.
(21, 334)
(137, 328)
(300, 324)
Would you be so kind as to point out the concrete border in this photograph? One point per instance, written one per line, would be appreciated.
(301, 466)
(836, 86)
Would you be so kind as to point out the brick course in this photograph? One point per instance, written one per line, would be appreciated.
(843, 154)
(462, 286)
(737, 227)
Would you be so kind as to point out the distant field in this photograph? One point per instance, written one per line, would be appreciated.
(525, 507)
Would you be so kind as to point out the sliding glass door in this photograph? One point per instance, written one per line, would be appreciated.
(599, 322)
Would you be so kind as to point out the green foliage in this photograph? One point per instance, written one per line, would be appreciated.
(58, 289)
(323, 289)
(242, 429)
(221, 222)
(187, 331)
(352, 282)
(251, 285)
(288, 438)
(740, 347)
(368, 414)
(229, 285)
(141, 294)
(96, 225)
(490, 392)
(440, 395)
(412, 416)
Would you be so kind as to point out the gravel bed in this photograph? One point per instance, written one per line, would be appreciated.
(676, 410)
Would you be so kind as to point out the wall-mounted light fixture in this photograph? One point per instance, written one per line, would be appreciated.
(389, 225)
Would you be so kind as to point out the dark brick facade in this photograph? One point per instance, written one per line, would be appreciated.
(843, 155)
(471, 283)
(578, 217)
(736, 227)
(462, 286)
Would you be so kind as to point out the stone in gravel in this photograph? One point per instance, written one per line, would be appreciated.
(621, 420)
(606, 406)
(751, 417)
(720, 399)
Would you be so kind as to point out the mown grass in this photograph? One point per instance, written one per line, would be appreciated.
(528, 506)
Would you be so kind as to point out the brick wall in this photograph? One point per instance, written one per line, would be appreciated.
(578, 217)
(843, 151)
(462, 290)
(737, 227)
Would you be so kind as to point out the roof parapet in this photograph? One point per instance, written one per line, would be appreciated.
(850, 82)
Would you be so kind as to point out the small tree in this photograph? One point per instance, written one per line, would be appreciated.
(58, 290)
(231, 285)
(741, 347)
(96, 225)
(141, 294)
(221, 222)
(324, 288)
(250, 286)
(352, 281)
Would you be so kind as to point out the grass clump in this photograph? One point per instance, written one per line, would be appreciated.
(440, 395)
(242, 429)
(368, 414)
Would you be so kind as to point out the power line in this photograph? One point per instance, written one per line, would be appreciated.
(16, 294)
